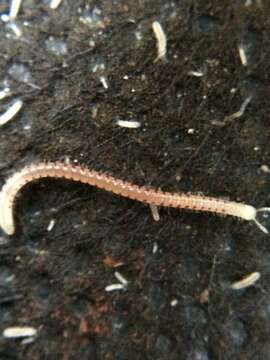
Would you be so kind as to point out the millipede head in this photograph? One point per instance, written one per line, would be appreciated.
(262, 219)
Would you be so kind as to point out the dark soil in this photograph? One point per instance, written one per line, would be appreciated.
(55, 280)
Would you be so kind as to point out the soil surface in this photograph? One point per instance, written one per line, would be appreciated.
(81, 68)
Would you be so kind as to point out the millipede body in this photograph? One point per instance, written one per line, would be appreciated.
(117, 186)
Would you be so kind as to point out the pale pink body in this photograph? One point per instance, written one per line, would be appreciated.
(116, 186)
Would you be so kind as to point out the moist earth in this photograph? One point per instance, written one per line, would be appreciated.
(81, 68)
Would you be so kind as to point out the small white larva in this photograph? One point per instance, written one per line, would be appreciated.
(161, 40)
(242, 55)
(114, 287)
(128, 124)
(51, 225)
(174, 302)
(104, 82)
(14, 9)
(11, 112)
(155, 248)
(120, 278)
(196, 73)
(241, 111)
(155, 212)
(15, 332)
(247, 281)
(4, 93)
(54, 4)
